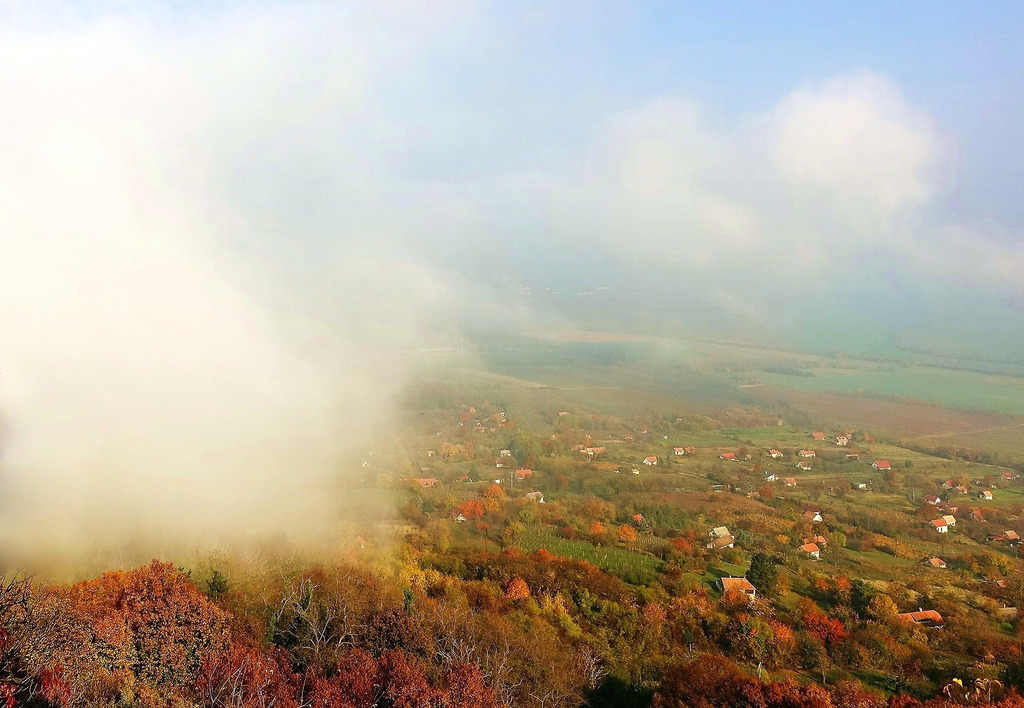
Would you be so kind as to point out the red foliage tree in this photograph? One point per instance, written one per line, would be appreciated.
(245, 676)
(152, 623)
(472, 509)
(825, 628)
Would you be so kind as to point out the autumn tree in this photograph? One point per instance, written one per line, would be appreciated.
(627, 534)
(517, 590)
(153, 624)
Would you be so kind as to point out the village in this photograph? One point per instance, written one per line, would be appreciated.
(640, 501)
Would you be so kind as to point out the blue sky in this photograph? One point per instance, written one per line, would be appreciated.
(546, 70)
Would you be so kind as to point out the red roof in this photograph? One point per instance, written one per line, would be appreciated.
(922, 616)
(810, 548)
(818, 436)
(523, 474)
(738, 584)
(883, 465)
(728, 456)
(939, 523)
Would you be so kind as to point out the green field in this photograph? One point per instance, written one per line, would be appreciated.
(955, 389)
(619, 561)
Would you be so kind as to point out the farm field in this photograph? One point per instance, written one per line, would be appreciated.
(955, 389)
(908, 418)
(627, 563)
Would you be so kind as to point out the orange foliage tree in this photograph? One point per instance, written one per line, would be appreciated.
(627, 534)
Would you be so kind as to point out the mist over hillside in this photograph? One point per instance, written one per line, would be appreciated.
(224, 229)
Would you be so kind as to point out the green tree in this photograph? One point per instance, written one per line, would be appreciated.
(763, 573)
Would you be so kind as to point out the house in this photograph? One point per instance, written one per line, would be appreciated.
(819, 539)
(425, 482)
(961, 489)
(807, 453)
(638, 518)
(936, 563)
(818, 435)
(949, 484)
(881, 465)
(812, 550)
(651, 460)
(860, 485)
(949, 519)
(535, 497)
(940, 525)
(635, 471)
(805, 466)
(774, 454)
(986, 495)
(1011, 535)
(678, 451)
(842, 440)
(731, 456)
(977, 515)
(852, 456)
(932, 499)
(505, 453)
(689, 449)
(523, 474)
(458, 516)
(771, 477)
(790, 481)
(464, 478)
(1010, 476)
(813, 516)
(716, 488)
(740, 585)
(927, 618)
(720, 538)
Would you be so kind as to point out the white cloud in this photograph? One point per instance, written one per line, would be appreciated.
(856, 142)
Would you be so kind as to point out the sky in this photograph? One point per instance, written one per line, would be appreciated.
(224, 226)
